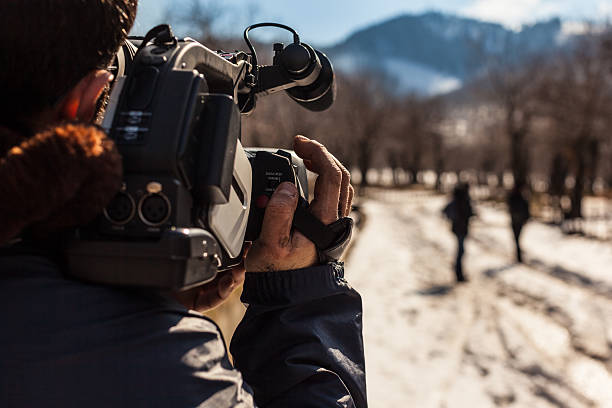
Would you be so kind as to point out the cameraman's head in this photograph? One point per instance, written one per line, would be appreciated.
(52, 56)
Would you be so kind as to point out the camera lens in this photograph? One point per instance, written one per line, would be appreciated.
(154, 209)
(121, 209)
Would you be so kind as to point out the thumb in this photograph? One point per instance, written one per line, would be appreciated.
(276, 227)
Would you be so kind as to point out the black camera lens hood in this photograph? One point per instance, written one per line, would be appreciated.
(319, 95)
(297, 58)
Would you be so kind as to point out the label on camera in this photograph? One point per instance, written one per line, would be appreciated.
(130, 134)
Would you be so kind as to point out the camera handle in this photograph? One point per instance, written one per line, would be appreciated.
(272, 167)
(161, 34)
(331, 240)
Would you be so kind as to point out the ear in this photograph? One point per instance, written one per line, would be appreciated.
(80, 102)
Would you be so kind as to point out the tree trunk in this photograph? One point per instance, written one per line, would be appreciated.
(364, 158)
(518, 150)
(558, 175)
(413, 175)
(394, 164)
(438, 161)
(592, 163)
(518, 160)
(580, 175)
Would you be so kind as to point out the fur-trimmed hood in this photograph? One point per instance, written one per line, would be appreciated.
(61, 177)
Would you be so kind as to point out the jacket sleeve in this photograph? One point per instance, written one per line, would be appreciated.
(300, 342)
(449, 211)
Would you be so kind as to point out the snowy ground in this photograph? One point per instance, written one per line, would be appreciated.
(531, 335)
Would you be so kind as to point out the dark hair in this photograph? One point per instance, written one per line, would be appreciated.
(49, 45)
(461, 196)
(461, 191)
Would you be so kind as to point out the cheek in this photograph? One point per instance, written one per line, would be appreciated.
(71, 108)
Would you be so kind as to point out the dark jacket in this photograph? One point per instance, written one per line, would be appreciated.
(519, 208)
(459, 213)
(67, 343)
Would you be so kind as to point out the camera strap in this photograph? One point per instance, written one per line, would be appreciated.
(331, 240)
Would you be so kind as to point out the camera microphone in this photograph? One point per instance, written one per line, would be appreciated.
(312, 71)
(304, 73)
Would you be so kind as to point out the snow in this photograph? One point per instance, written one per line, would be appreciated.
(537, 334)
(415, 77)
(406, 76)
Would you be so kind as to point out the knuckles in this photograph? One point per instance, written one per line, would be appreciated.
(285, 207)
(346, 175)
(272, 251)
(335, 175)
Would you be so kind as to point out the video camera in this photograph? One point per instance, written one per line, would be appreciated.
(191, 193)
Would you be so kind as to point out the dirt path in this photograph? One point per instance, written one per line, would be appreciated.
(532, 335)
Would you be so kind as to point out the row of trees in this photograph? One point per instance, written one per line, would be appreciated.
(548, 119)
(555, 114)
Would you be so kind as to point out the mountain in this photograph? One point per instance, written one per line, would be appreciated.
(436, 53)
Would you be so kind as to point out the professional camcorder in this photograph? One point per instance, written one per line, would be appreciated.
(192, 195)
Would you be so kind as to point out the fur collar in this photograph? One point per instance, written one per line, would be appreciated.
(59, 178)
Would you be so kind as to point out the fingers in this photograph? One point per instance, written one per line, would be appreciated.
(231, 280)
(326, 203)
(350, 201)
(226, 286)
(216, 292)
(277, 248)
(276, 227)
(344, 203)
(212, 294)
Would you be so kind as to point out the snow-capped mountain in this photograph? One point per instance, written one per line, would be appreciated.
(435, 53)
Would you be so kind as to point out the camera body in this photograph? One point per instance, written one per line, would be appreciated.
(185, 206)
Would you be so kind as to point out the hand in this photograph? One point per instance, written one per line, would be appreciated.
(213, 293)
(280, 248)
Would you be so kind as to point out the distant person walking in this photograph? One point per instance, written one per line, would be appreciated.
(459, 211)
(519, 215)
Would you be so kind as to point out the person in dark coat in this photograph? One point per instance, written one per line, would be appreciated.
(459, 211)
(69, 343)
(518, 207)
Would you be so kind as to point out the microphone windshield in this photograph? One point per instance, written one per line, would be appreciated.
(319, 95)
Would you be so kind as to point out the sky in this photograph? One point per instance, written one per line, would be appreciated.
(326, 22)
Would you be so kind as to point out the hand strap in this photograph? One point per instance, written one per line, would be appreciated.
(331, 240)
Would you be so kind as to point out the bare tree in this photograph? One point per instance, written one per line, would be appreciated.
(414, 132)
(579, 100)
(438, 157)
(515, 86)
(364, 110)
(198, 18)
(414, 140)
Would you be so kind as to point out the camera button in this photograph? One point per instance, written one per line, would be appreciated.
(135, 118)
(129, 136)
(262, 201)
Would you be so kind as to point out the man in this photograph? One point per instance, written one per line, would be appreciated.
(518, 207)
(67, 343)
(459, 211)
